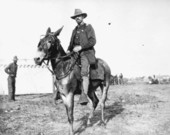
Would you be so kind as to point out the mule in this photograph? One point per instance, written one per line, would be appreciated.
(66, 69)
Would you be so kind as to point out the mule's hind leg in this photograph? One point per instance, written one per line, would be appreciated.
(95, 101)
(69, 104)
(104, 89)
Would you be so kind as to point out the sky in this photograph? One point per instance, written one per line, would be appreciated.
(132, 35)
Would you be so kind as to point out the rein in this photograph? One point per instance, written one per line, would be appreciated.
(60, 59)
(75, 56)
(52, 72)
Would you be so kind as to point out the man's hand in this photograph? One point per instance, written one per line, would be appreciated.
(11, 74)
(67, 52)
(77, 48)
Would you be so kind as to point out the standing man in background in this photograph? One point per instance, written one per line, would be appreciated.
(121, 79)
(11, 70)
(82, 41)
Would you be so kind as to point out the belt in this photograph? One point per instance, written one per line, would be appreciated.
(86, 49)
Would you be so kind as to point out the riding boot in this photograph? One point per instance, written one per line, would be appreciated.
(83, 100)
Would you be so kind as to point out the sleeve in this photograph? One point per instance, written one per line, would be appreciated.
(16, 70)
(7, 69)
(70, 47)
(91, 37)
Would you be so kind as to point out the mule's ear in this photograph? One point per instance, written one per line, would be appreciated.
(48, 31)
(58, 31)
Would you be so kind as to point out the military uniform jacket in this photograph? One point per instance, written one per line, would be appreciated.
(11, 69)
(85, 37)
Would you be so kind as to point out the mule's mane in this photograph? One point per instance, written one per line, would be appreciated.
(59, 47)
(56, 49)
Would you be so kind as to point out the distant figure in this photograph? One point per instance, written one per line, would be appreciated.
(114, 79)
(11, 70)
(121, 79)
(153, 80)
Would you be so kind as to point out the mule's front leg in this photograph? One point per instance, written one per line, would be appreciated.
(69, 104)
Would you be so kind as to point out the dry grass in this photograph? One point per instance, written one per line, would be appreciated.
(137, 109)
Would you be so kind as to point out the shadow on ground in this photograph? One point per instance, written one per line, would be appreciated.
(110, 112)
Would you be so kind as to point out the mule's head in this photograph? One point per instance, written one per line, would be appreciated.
(47, 46)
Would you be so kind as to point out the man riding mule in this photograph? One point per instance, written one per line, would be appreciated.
(83, 40)
(67, 73)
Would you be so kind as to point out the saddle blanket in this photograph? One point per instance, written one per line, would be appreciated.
(97, 73)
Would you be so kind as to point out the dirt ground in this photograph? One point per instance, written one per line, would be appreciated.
(138, 109)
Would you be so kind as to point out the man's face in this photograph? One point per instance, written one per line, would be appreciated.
(79, 19)
(15, 60)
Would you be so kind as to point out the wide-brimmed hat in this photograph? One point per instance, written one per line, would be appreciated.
(78, 12)
(15, 58)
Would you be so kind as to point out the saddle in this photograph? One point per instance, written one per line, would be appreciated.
(67, 64)
(96, 71)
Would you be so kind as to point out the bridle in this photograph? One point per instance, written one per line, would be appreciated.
(48, 53)
(75, 56)
(60, 58)
(48, 49)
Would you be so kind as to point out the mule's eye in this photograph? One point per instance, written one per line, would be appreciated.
(40, 48)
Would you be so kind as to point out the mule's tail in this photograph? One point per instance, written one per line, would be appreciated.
(107, 72)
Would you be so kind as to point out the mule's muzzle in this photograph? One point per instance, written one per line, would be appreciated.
(38, 61)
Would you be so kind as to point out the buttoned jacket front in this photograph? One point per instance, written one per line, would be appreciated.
(86, 39)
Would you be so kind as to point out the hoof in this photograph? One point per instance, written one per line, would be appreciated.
(103, 124)
(11, 100)
(84, 103)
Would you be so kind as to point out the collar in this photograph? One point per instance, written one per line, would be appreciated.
(81, 26)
